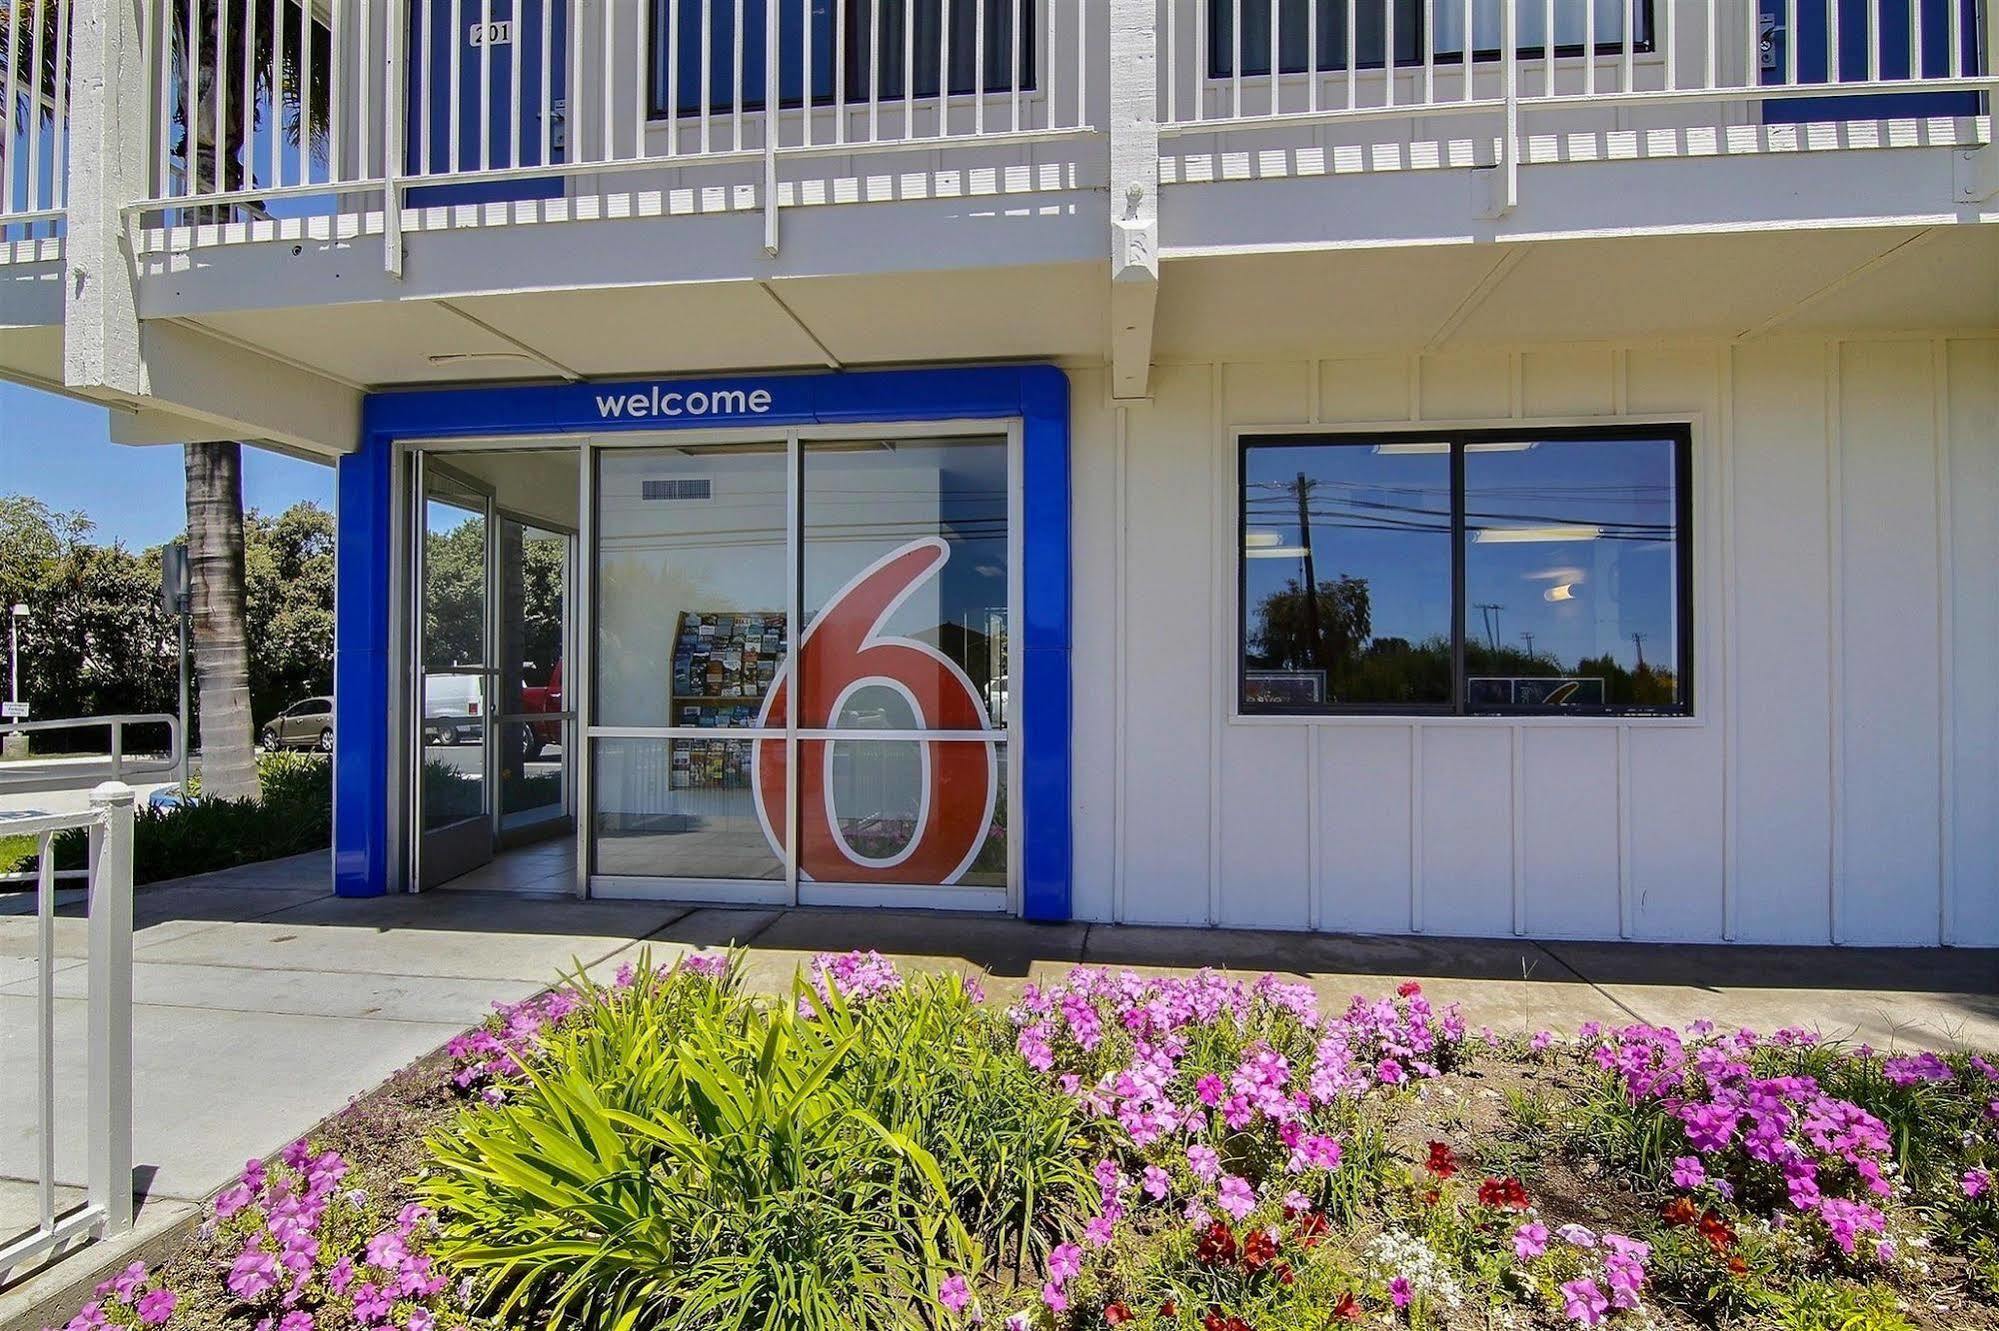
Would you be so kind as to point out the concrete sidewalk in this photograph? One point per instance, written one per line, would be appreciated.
(264, 1003)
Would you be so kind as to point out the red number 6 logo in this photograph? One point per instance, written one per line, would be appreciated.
(845, 650)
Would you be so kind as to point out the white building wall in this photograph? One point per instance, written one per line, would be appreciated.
(1839, 782)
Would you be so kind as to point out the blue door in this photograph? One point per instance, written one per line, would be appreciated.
(1813, 41)
(485, 41)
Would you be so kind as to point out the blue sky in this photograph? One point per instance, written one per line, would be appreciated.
(59, 450)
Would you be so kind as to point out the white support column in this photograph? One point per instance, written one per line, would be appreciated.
(1134, 134)
(110, 80)
(108, 1093)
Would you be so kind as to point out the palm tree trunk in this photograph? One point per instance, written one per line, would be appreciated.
(221, 642)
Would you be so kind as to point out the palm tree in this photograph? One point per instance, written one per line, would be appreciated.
(226, 38)
(213, 470)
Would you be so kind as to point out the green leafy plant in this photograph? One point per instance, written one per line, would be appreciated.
(1823, 1305)
(696, 1164)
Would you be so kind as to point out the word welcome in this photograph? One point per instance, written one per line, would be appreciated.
(715, 402)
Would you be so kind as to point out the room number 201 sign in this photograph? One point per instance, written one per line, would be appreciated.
(845, 650)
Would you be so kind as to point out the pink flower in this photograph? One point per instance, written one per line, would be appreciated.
(1583, 1302)
(297, 1155)
(296, 1321)
(1157, 1183)
(1098, 1232)
(1019, 1321)
(1209, 1089)
(1688, 1172)
(1541, 1040)
(1236, 1196)
(1064, 1261)
(341, 1276)
(129, 1280)
(1053, 1296)
(954, 1294)
(1976, 1182)
(1204, 1162)
(156, 1305)
(1530, 1241)
(233, 1199)
(386, 1250)
(420, 1319)
(1398, 1290)
(90, 1317)
(253, 1272)
(371, 1304)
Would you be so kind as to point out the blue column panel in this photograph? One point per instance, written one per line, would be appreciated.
(362, 672)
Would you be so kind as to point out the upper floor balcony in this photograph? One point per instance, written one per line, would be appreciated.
(831, 181)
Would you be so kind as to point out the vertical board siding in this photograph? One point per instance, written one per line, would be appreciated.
(1972, 369)
(1168, 686)
(1589, 829)
(1888, 658)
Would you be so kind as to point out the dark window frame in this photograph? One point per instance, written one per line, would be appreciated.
(1221, 45)
(857, 61)
(1680, 435)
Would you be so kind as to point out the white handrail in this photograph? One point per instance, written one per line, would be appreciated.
(107, 1120)
(34, 774)
(34, 118)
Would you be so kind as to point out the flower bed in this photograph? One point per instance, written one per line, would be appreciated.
(875, 1150)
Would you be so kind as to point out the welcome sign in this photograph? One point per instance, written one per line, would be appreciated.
(668, 400)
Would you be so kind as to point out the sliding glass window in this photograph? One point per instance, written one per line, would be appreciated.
(1313, 34)
(837, 49)
(1468, 573)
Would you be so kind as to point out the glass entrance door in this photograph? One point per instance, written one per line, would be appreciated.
(800, 689)
(492, 614)
(453, 621)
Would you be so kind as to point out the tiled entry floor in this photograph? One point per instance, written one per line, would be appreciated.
(544, 869)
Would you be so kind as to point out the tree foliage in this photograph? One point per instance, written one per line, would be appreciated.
(98, 642)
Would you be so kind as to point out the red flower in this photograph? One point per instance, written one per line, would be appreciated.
(1117, 1314)
(1311, 1228)
(1217, 1246)
(1215, 1321)
(1169, 1310)
(1258, 1250)
(1347, 1308)
(1737, 1267)
(1503, 1194)
(1443, 1161)
(1679, 1211)
(1284, 1273)
(1409, 989)
(1718, 1232)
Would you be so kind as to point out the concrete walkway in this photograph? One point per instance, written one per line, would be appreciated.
(264, 1003)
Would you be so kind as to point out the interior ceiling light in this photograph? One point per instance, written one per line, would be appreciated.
(1275, 552)
(1413, 446)
(1261, 540)
(1561, 591)
(457, 357)
(1527, 535)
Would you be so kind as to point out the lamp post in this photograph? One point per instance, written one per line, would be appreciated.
(16, 745)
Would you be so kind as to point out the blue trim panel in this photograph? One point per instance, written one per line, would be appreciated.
(361, 671)
(1037, 395)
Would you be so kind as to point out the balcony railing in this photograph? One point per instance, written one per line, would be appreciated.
(34, 120)
(264, 104)
(1232, 67)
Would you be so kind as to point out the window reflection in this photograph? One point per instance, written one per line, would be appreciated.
(1570, 574)
(1368, 528)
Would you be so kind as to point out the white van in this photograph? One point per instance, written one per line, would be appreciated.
(454, 709)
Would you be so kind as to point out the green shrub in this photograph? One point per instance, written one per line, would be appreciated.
(295, 815)
(681, 1160)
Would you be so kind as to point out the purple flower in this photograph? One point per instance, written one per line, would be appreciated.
(233, 1199)
(1064, 1261)
(1579, 1235)
(296, 1321)
(1236, 1196)
(1541, 1040)
(90, 1317)
(1157, 1183)
(1688, 1172)
(1204, 1162)
(1583, 1302)
(253, 1272)
(1053, 1295)
(1398, 1290)
(386, 1250)
(1209, 1089)
(129, 1280)
(1098, 1232)
(420, 1319)
(1530, 1241)
(954, 1294)
(341, 1276)
(371, 1304)
(1976, 1182)
(297, 1155)
(156, 1305)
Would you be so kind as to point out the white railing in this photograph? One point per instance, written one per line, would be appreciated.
(34, 117)
(482, 92)
(107, 1117)
(120, 763)
(1325, 60)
